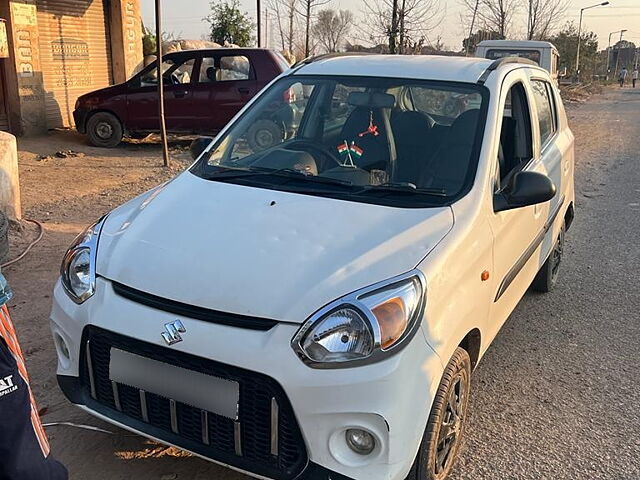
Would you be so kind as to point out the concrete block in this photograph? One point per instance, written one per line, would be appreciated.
(9, 178)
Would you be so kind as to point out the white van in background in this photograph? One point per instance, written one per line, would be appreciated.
(544, 54)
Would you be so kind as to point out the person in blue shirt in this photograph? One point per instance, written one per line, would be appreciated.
(24, 447)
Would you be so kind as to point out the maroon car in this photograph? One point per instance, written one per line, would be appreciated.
(204, 89)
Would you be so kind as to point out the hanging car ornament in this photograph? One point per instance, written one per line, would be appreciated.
(372, 129)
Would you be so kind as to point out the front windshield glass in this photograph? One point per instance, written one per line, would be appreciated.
(391, 141)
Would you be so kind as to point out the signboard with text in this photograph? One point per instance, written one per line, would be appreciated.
(4, 41)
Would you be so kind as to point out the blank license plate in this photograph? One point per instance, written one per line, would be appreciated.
(213, 394)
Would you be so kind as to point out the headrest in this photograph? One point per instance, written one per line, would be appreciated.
(463, 128)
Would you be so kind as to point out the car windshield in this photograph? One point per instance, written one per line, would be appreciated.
(403, 142)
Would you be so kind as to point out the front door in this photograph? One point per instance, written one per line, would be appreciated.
(142, 96)
(225, 84)
(516, 232)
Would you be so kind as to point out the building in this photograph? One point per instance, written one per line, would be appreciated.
(56, 50)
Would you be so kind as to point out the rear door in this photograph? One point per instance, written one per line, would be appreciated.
(142, 96)
(225, 83)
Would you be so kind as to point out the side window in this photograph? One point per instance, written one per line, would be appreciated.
(225, 69)
(175, 72)
(545, 109)
(516, 140)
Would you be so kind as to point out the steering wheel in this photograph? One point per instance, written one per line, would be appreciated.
(318, 148)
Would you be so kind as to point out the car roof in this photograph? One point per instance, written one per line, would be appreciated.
(516, 44)
(431, 67)
(238, 50)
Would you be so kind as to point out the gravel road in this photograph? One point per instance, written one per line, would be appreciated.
(556, 396)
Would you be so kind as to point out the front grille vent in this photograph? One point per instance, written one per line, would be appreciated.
(265, 439)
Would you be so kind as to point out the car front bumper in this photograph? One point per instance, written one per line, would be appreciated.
(390, 399)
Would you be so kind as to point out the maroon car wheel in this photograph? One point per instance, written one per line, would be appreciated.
(104, 130)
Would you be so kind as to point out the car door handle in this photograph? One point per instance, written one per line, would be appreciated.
(180, 93)
(244, 90)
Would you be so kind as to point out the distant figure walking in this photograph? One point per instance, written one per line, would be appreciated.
(634, 77)
(622, 76)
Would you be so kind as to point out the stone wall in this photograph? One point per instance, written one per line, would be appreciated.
(9, 180)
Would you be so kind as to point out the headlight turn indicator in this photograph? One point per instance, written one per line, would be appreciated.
(365, 326)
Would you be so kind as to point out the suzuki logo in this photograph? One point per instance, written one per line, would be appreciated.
(172, 332)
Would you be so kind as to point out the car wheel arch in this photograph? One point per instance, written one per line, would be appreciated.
(472, 343)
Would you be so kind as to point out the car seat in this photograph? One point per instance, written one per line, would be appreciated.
(412, 134)
(449, 165)
(375, 148)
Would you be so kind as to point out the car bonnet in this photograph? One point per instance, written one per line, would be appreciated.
(260, 252)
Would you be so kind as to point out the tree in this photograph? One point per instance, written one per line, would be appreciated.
(285, 9)
(229, 24)
(470, 44)
(566, 41)
(493, 15)
(306, 9)
(331, 28)
(543, 16)
(403, 24)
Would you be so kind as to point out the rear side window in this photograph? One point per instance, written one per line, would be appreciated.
(225, 69)
(546, 110)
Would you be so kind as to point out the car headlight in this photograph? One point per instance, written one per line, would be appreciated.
(365, 326)
(78, 269)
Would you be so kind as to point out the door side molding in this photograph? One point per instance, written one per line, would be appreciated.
(524, 258)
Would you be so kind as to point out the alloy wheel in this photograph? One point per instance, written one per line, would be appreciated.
(452, 424)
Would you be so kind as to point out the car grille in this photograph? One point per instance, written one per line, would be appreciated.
(265, 439)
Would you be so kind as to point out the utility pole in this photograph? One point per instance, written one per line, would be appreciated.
(529, 24)
(618, 56)
(163, 123)
(580, 34)
(259, 10)
(609, 52)
(473, 23)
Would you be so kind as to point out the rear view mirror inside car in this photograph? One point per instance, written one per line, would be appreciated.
(371, 100)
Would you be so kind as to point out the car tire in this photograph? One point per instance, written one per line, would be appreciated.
(547, 277)
(445, 427)
(104, 130)
(264, 134)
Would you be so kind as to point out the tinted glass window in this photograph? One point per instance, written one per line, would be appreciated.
(224, 69)
(175, 72)
(358, 137)
(533, 55)
(544, 106)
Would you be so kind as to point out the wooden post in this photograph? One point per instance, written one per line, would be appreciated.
(163, 123)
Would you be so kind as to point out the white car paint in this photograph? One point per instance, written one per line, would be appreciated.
(229, 248)
(366, 242)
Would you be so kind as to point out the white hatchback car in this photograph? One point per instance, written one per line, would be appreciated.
(314, 307)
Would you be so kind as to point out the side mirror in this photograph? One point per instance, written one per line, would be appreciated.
(525, 189)
(199, 145)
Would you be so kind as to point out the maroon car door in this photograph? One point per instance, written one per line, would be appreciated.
(226, 82)
(142, 96)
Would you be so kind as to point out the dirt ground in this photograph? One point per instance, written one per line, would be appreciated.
(66, 194)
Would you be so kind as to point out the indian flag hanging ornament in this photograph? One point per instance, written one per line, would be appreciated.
(346, 150)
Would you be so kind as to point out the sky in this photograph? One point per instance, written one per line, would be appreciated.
(184, 18)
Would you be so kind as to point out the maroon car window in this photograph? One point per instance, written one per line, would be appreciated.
(175, 72)
(224, 69)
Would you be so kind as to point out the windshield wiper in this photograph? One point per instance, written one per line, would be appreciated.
(404, 187)
(234, 173)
